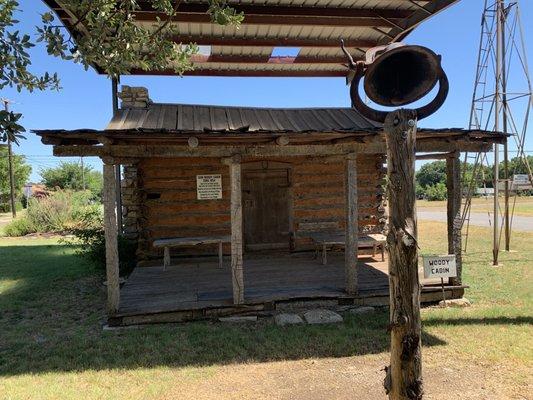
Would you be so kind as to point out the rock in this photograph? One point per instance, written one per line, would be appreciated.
(288, 319)
(40, 339)
(459, 303)
(320, 316)
(247, 318)
(362, 310)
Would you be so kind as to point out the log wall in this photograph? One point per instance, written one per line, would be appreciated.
(168, 206)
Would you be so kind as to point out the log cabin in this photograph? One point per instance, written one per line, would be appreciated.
(229, 206)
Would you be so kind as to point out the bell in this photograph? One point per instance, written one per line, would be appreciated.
(401, 74)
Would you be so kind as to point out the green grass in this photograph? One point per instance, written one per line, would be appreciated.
(523, 206)
(51, 337)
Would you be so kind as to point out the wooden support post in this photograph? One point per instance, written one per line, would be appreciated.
(404, 375)
(118, 186)
(351, 236)
(166, 257)
(236, 231)
(220, 255)
(111, 243)
(453, 184)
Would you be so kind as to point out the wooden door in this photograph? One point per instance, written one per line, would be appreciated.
(266, 208)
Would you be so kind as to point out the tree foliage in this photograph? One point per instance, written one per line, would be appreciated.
(517, 165)
(71, 176)
(21, 172)
(431, 173)
(103, 33)
(431, 177)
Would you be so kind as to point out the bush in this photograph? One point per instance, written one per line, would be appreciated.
(71, 176)
(436, 192)
(18, 227)
(90, 243)
(6, 207)
(57, 213)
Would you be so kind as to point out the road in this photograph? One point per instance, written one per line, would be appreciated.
(520, 223)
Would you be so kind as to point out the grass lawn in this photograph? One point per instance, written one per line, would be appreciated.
(52, 344)
(523, 206)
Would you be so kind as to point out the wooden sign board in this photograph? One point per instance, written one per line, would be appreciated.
(209, 187)
(440, 266)
(521, 181)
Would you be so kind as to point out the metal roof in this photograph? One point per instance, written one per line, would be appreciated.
(201, 118)
(313, 27)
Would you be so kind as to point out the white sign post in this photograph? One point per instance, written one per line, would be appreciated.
(521, 181)
(440, 267)
(209, 187)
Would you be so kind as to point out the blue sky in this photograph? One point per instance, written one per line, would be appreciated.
(85, 98)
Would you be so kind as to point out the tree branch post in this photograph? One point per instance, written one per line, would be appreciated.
(352, 230)
(111, 243)
(453, 184)
(404, 375)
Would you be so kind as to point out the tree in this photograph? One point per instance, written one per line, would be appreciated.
(104, 33)
(21, 172)
(517, 165)
(431, 173)
(71, 176)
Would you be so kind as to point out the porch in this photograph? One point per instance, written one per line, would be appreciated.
(197, 288)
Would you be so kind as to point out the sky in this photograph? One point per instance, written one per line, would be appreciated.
(85, 98)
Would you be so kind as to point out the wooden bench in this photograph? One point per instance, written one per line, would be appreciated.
(324, 240)
(190, 241)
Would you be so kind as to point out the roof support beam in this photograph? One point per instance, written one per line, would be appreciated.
(374, 146)
(254, 59)
(206, 70)
(285, 15)
(217, 40)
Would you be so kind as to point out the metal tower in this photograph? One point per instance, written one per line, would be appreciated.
(501, 101)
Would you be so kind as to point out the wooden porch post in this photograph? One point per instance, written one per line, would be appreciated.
(404, 376)
(351, 246)
(453, 183)
(111, 243)
(236, 230)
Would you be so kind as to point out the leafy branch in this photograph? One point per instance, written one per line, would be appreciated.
(104, 33)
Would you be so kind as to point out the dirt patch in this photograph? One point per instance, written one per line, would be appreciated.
(351, 378)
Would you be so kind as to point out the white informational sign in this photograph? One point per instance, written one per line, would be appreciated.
(209, 187)
(521, 182)
(439, 266)
(520, 179)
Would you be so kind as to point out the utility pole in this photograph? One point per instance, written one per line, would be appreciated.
(10, 167)
(83, 186)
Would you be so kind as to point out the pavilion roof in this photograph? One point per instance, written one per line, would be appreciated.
(308, 30)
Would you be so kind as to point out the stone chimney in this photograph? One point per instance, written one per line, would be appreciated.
(134, 97)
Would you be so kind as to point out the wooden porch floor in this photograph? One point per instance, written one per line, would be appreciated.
(196, 288)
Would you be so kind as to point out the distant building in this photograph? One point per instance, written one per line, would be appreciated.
(485, 192)
(37, 190)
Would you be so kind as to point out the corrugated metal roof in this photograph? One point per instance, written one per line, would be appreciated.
(313, 26)
(201, 118)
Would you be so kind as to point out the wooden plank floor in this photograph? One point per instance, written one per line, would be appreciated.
(197, 284)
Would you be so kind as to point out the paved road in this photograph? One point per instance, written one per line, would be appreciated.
(479, 219)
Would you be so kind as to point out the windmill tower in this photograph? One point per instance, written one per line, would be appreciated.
(501, 101)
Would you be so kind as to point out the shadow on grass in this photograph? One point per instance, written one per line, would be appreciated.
(51, 320)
